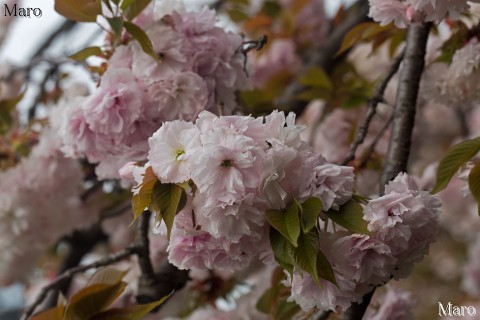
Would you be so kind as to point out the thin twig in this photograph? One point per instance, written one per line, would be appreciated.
(65, 27)
(71, 272)
(373, 145)
(372, 110)
(49, 73)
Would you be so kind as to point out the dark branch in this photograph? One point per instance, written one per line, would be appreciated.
(405, 106)
(372, 110)
(65, 27)
(144, 244)
(357, 310)
(404, 118)
(154, 285)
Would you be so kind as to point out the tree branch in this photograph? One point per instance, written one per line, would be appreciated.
(372, 110)
(405, 106)
(65, 27)
(404, 118)
(154, 285)
(144, 244)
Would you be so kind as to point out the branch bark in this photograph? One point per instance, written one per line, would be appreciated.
(405, 106)
(154, 285)
(404, 118)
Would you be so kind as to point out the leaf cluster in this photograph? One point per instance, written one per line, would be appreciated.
(93, 301)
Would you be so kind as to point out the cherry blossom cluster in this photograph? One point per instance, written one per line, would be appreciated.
(197, 69)
(240, 167)
(403, 12)
(39, 202)
(455, 85)
(402, 223)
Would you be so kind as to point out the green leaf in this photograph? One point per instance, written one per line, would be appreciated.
(287, 223)
(313, 94)
(272, 9)
(237, 15)
(286, 310)
(132, 8)
(79, 10)
(55, 313)
(282, 249)
(138, 34)
(130, 313)
(308, 257)
(305, 255)
(85, 53)
(317, 78)
(107, 275)
(474, 184)
(265, 301)
(143, 198)
(324, 268)
(363, 31)
(92, 300)
(116, 23)
(256, 98)
(6, 109)
(456, 157)
(350, 216)
(309, 213)
(168, 199)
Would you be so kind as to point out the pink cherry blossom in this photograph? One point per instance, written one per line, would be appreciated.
(172, 150)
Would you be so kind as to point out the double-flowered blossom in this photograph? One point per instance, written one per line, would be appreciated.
(37, 209)
(457, 86)
(241, 166)
(402, 223)
(403, 12)
(198, 69)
